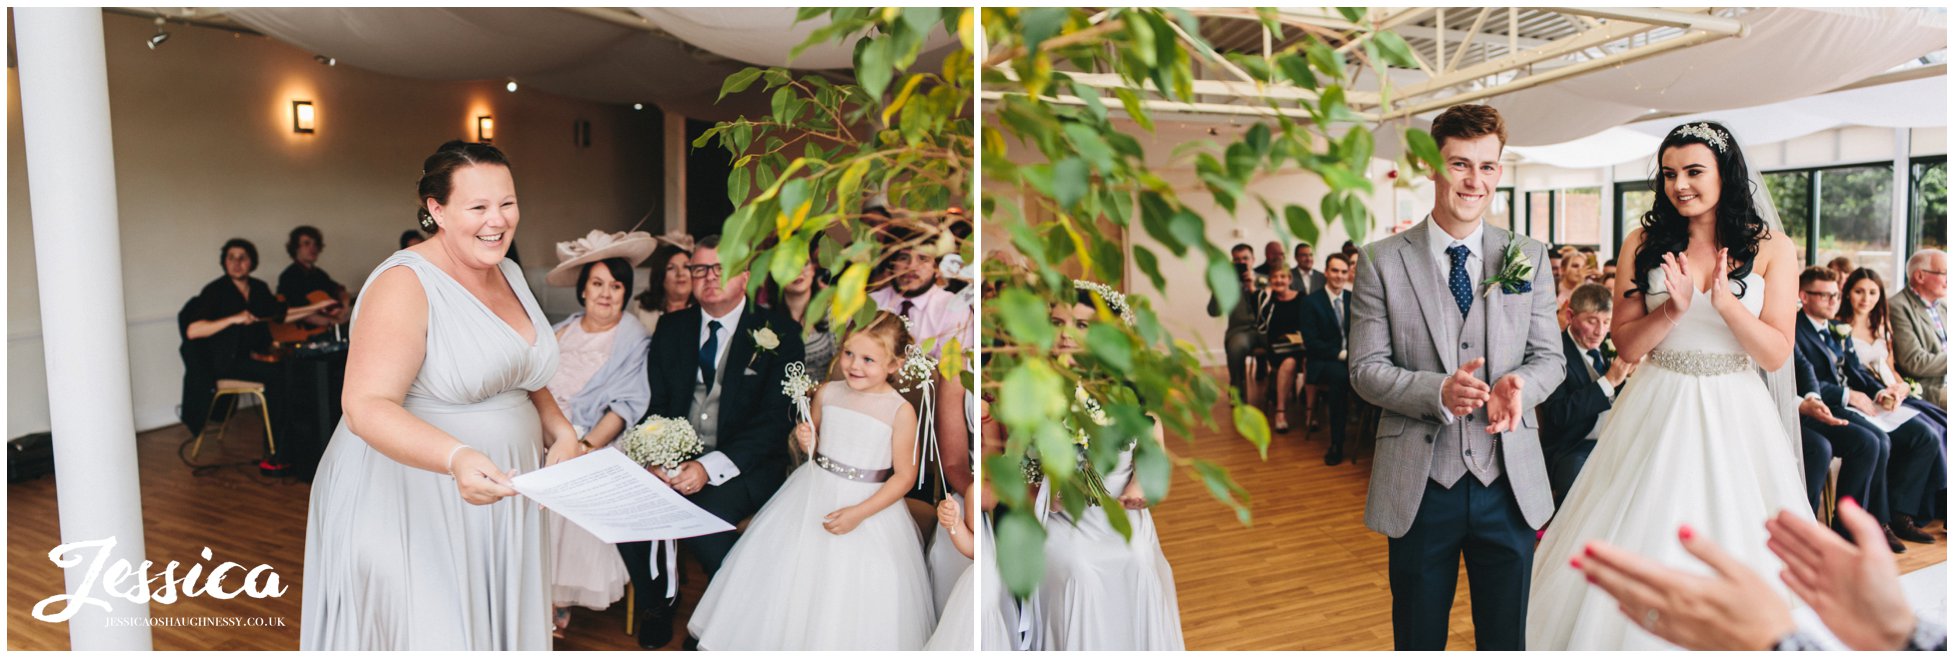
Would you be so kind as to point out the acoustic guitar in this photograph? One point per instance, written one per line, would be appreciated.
(299, 332)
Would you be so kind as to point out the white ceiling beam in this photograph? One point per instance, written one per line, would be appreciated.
(1537, 79)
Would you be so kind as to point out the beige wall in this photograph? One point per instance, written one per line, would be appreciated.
(204, 151)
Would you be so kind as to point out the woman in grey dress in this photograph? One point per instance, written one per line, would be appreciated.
(415, 539)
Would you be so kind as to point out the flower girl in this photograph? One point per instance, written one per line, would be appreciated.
(834, 561)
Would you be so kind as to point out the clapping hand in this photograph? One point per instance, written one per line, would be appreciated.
(1461, 392)
(1853, 586)
(1721, 297)
(1675, 280)
(1731, 609)
(1503, 409)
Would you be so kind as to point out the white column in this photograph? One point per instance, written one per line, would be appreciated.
(64, 93)
(676, 146)
(1902, 192)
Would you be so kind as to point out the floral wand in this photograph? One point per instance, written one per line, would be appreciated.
(797, 386)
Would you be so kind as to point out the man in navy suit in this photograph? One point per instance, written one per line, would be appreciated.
(1573, 415)
(1326, 326)
(718, 365)
(1914, 461)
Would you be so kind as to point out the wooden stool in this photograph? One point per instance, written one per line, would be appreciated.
(233, 389)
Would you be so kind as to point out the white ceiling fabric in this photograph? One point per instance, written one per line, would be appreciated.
(1912, 104)
(568, 53)
(1789, 53)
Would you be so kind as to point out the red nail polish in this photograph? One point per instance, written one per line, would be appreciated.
(1574, 562)
(1590, 578)
(1849, 500)
(1686, 533)
(1588, 551)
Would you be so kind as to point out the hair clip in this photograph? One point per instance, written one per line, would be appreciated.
(1704, 132)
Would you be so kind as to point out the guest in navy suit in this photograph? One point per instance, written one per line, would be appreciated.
(1572, 416)
(1915, 462)
(1326, 326)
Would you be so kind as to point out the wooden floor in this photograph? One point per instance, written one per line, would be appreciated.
(1308, 575)
(244, 518)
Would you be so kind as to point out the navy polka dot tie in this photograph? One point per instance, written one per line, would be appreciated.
(1461, 283)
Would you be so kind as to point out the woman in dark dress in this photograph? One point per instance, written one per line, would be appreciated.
(1282, 322)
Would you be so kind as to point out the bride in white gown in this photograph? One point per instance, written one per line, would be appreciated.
(1696, 438)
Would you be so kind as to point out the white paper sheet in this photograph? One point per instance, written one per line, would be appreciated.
(1890, 420)
(616, 500)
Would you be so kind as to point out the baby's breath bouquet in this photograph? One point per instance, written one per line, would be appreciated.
(798, 385)
(663, 442)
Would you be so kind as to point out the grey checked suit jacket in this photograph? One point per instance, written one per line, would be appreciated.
(1398, 363)
(1917, 351)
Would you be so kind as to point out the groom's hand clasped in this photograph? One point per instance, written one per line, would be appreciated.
(1462, 392)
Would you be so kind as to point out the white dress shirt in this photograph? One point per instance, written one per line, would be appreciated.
(1439, 241)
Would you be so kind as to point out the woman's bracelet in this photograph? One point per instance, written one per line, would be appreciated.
(1666, 315)
(451, 457)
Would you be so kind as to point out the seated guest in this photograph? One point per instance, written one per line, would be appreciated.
(1282, 326)
(1608, 271)
(1573, 273)
(223, 330)
(1572, 416)
(1865, 310)
(1920, 325)
(1554, 261)
(411, 237)
(1271, 260)
(1593, 259)
(600, 385)
(304, 277)
(1830, 431)
(1243, 336)
(1916, 459)
(1843, 266)
(793, 299)
(1304, 277)
(670, 287)
(1326, 321)
(935, 314)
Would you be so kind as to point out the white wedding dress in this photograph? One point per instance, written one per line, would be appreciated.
(790, 585)
(1693, 439)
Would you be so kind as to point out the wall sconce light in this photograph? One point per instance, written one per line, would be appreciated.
(485, 129)
(303, 120)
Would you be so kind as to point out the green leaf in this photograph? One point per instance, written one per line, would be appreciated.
(1326, 60)
(1089, 145)
(1424, 148)
(1253, 426)
(1153, 469)
(874, 66)
(781, 97)
(1041, 23)
(1222, 281)
(1295, 68)
(1070, 181)
(1394, 50)
(737, 187)
(1134, 109)
(1021, 541)
(738, 82)
(1357, 147)
(1150, 266)
(1024, 316)
(788, 259)
(1300, 223)
(1223, 488)
(1111, 346)
(1352, 14)
(1154, 217)
(1188, 228)
(849, 291)
(1356, 219)
(1258, 138)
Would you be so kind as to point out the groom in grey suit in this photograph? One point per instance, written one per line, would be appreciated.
(1457, 356)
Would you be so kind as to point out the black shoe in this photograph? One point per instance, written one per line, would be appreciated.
(1903, 528)
(691, 643)
(655, 629)
(1892, 541)
(1334, 457)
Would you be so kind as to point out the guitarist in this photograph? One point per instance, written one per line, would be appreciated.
(302, 280)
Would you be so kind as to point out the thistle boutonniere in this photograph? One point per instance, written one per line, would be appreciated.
(1516, 276)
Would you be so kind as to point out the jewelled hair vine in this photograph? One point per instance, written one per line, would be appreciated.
(1115, 300)
(1704, 132)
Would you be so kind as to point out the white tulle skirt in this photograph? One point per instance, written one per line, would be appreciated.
(1709, 452)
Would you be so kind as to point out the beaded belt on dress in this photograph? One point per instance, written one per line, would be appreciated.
(851, 472)
(1702, 364)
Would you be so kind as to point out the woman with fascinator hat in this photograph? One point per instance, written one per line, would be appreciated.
(1102, 592)
(600, 386)
(1697, 443)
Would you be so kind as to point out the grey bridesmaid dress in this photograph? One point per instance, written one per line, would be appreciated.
(394, 558)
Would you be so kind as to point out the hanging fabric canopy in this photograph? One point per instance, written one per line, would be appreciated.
(1912, 104)
(1788, 53)
(677, 61)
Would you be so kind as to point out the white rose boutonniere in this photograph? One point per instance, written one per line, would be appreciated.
(1842, 330)
(765, 339)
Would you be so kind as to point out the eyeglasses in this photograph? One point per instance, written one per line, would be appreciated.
(1823, 295)
(703, 271)
(1935, 272)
